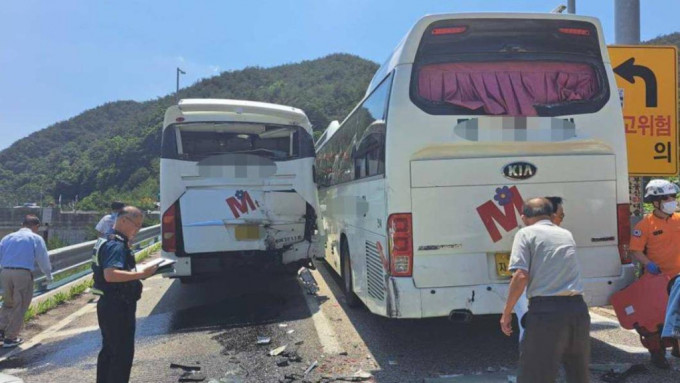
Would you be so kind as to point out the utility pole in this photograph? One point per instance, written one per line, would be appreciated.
(627, 32)
(627, 19)
(179, 71)
(571, 7)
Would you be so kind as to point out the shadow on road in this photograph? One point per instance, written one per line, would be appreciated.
(409, 350)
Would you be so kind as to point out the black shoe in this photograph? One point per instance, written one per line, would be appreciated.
(659, 360)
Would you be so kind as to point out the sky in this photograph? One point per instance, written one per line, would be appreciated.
(60, 58)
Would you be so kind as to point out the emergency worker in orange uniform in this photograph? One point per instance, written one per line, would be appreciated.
(656, 244)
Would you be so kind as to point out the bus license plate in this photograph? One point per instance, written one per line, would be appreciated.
(247, 232)
(502, 263)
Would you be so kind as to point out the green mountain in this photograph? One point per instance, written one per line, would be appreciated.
(669, 39)
(111, 151)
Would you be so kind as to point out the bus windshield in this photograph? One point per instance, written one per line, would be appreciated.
(509, 67)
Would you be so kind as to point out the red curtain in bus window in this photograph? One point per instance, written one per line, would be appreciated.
(507, 88)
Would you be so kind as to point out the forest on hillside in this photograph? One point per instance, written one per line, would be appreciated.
(112, 151)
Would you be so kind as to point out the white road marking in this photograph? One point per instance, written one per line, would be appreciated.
(327, 336)
(90, 307)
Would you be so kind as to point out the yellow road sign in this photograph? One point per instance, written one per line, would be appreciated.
(647, 78)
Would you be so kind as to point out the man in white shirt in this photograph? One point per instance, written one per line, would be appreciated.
(105, 225)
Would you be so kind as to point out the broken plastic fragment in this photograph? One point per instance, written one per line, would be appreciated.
(277, 350)
(283, 325)
(308, 281)
(362, 374)
(263, 340)
(290, 331)
(311, 367)
(185, 367)
(192, 376)
(282, 362)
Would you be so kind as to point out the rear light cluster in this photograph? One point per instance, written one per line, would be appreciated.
(169, 230)
(623, 223)
(448, 31)
(400, 231)
(574, 31)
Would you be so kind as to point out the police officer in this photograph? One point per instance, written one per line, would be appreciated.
(656, 244)
(118, 284)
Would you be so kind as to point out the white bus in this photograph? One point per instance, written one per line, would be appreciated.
(422, 185)
(236, 186)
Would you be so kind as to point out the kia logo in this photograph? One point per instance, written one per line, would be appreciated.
(519, 170)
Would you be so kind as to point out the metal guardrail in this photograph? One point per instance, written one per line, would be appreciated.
(69, 258)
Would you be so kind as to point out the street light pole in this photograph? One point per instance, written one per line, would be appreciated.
(179, 71)
(571, 7)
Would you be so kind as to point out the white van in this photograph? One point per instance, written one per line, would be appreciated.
(236, 185)
(421, 186)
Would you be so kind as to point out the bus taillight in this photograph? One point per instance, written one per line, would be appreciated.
(401, 244)
(623, 218)
(169, 230)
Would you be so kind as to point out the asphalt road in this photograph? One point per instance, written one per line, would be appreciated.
(216, 325)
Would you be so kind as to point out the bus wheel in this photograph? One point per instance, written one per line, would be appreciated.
(351, 298)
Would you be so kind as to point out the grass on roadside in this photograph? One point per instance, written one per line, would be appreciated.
(57, 299)
(77, 289)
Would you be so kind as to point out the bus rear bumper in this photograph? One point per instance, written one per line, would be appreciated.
(405, 300)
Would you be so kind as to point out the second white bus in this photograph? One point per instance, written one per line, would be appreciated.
(421, 186)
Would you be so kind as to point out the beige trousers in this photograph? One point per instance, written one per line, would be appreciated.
(17, 292)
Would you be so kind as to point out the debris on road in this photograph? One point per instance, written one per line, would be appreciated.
(290, 332)
(192, 376)
(277, 351)
(613, 376)
(392, 362)
(283, 325)
(263, 340)
(363, 374)
(308, 281)
(282, 362)
(311, 367)
(185, 367)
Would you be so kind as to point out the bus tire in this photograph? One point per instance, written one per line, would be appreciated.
(351, 298)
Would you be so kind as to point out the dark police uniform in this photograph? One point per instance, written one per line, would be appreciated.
(115, 309)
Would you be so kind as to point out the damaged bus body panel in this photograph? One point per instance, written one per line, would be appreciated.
(236, 185)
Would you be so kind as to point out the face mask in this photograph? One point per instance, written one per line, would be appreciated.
(669, 207)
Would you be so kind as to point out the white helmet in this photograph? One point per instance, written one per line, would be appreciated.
(660, 187)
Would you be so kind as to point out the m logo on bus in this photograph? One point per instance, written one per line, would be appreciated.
(240, 203)
(519, 170)
(511, 201)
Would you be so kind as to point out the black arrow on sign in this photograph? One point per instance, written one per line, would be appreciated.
(628, 71)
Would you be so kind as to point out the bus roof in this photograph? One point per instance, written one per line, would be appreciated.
(195, 106)
(405, 52)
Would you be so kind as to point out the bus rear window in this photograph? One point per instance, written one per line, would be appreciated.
(509, 67)
(197, 141)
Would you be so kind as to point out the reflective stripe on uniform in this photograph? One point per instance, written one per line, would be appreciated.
(95, 250)
(96, 291)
